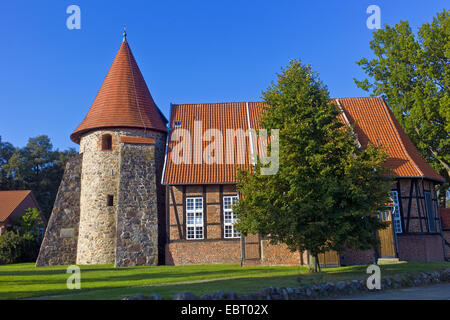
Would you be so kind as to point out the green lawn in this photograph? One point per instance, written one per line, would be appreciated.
(106, 282)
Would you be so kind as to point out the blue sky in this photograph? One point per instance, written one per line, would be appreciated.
(188, 52)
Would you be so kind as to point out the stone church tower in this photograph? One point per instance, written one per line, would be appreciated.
(110, 206)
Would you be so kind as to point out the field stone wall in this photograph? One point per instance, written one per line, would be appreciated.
(107, 172)
(59, 246)
(84, 229)
(99, 178)
(137, 212)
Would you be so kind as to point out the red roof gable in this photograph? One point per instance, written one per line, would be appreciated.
(371, 118)
(10, 200)
(123, 99)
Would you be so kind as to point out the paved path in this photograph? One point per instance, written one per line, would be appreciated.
(434, 292)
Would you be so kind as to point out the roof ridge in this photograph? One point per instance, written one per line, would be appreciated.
(210, 103)
(134, 82)
(254, 101)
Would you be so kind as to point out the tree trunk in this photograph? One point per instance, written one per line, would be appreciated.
(376, 253)
(442, 197)
(314, 265)
(442, 162)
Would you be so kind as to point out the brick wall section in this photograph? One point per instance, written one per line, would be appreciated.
(354, 257)
(420, 248)
(137, 210)
(279, 255)
(59, 246)
(214, 248)
(203, 252)
(446, 234)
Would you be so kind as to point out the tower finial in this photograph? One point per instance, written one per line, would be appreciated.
(124, 32)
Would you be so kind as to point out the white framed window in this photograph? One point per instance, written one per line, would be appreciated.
(230, 217)
(194, 218)
(396, 217)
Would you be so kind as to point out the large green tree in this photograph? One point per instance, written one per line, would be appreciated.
(328, 191)
(6, 151)
(411, 71)
(36, 167)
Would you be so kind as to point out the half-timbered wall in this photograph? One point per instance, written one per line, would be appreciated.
(413, 206)
(214, 247)
(417, 242)
(414, 243)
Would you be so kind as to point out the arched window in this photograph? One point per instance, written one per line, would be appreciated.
(106, 142)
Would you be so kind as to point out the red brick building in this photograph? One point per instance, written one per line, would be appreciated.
(13, 205)
(199, 196)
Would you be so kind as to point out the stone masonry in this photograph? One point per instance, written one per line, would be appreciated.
(99, 179)
(84, 228)
(137, 212)
(61, 237)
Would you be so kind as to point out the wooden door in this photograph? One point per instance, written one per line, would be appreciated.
(252, 247)
(329, 259)
(386, 236)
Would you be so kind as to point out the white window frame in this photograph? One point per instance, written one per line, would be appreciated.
(227, 222)
(396, 216)
(194, 219)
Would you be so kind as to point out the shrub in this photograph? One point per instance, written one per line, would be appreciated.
(22, 244)
(11, 244)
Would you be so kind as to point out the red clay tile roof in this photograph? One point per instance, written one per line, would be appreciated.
(372, 120)
(216, 116)
(9, 200)
(123, 99)
(445, 217)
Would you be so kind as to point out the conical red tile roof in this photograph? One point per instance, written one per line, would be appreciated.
(123, 100)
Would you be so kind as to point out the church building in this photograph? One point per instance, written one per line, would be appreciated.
(127, 200)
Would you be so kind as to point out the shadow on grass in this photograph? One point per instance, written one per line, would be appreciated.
(116, 283)
(154, 272)
(139, 279)
(241, 285)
